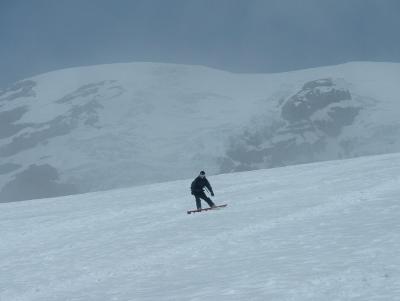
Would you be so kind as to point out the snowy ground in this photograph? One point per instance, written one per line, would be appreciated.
(325, 231)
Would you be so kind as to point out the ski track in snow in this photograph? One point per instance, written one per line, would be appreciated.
(322, 231)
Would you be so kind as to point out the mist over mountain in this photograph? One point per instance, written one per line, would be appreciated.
(102, 127)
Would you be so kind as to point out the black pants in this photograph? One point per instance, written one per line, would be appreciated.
(202, 195)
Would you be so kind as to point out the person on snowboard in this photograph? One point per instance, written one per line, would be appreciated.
(197, 188)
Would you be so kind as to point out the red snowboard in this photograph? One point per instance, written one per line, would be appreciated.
(206, 209)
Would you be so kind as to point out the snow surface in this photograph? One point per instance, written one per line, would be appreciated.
(322, 231)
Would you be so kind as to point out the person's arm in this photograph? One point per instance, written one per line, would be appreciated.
(208, 185)
(192, 187)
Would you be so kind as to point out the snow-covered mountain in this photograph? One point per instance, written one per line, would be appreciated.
(321, 231)
(95, 128)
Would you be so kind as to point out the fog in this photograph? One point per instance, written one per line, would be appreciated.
(236, 35)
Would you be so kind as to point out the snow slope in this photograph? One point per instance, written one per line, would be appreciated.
(101, 127)
(321, 231)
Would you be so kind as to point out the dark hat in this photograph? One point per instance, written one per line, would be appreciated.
(202, 172)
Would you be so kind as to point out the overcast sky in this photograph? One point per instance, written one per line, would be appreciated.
(237, 35)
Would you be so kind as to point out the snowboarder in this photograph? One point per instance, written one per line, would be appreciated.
(197, 188)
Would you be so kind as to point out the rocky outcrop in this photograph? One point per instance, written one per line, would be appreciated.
(308, 120)
(17, 90)
(37, 181)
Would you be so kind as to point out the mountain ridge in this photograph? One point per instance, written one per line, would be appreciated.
(115, 125)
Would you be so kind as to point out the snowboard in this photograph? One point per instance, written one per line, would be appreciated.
(206, 209)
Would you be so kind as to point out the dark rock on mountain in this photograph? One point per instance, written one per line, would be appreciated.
(310, 118)
(37, 181)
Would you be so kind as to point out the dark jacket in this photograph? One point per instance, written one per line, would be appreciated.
(198, 185)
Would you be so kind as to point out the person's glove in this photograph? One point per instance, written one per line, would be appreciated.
(212, 193)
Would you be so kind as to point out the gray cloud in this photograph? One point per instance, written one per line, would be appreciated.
(238, 35)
